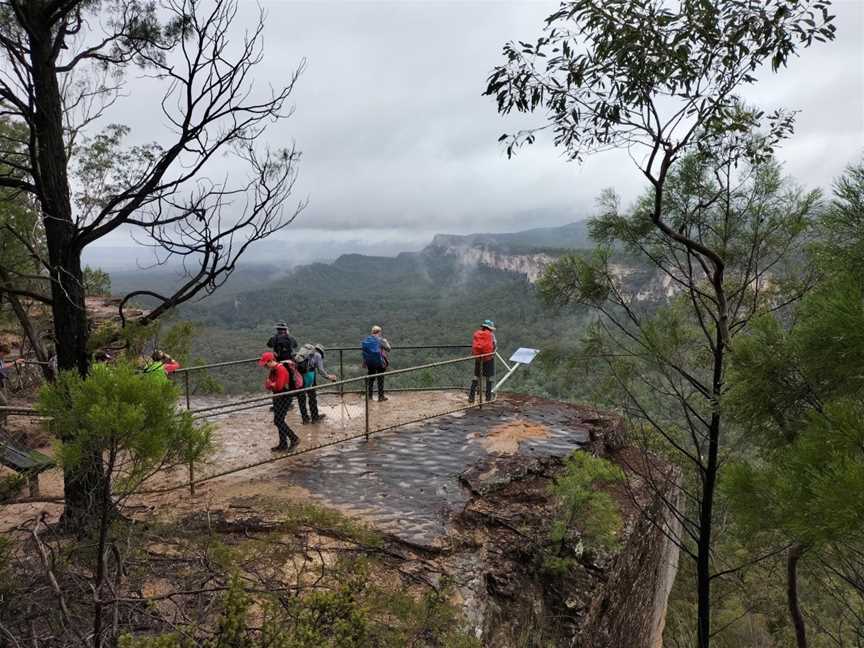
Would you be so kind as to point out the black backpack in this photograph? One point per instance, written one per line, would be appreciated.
(282, 347)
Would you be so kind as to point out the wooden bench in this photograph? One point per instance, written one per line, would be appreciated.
(28, 463)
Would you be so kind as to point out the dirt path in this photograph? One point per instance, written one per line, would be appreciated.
(240, 439)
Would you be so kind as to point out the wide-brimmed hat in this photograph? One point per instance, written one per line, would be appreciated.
(376, 329)
(489, 324)
(280, 326)
(319, 348)
(267, 356)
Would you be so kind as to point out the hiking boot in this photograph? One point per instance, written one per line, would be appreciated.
(280, 448)
(294, 443)
(315, 419)
(306, 420)
(382, 398)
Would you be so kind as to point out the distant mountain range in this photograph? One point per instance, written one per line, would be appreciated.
(573, 235)
(260, 265)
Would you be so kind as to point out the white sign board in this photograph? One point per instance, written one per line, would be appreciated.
(524, 355)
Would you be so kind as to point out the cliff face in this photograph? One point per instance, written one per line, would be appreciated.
(531, 266)
(643, 284)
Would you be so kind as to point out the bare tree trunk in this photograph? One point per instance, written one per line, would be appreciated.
(792, 558)
(28, 328)
(67, 289)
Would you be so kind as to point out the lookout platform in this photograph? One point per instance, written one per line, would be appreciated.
(405, 481)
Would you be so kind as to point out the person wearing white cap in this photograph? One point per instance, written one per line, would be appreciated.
(483, 345)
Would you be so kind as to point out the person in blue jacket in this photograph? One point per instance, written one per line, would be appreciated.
(376, 358)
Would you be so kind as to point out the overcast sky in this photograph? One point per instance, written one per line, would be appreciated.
(398, 142)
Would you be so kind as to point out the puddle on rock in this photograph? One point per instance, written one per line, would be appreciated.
(504, 438)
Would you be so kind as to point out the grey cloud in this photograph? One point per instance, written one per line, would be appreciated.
(396, 136)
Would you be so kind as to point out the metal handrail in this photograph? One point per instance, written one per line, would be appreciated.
(230, 363)
(337, 383)
(251, 403)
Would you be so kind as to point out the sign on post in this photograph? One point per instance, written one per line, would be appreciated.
(524, 355)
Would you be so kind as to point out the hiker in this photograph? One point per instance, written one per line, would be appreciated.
(310, 362)
(376, 358)
(283, 344)
(162, 364)
(483, 344)
(281, 378)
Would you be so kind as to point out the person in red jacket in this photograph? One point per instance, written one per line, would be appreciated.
(278, 381)
(483, 345)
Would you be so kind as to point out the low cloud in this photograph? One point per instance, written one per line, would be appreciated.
(398, 142)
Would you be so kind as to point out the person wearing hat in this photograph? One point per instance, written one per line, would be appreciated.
(284, 345)
(162, 365)
(310, 362)
(484, 344)
(279, 381)
(376, 357)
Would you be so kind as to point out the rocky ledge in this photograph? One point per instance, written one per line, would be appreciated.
(469, 494)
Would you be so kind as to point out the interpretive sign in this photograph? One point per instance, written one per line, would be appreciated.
(524, 355)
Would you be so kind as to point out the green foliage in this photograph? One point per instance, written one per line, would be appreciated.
(134, 337)
(118, 411)
(841, 244)
(577, 279)
(615, 73)
(7, 587)
(11, 486)
(798, 389)
(805, 489)
(177, 341)
(305, 514)
(582, 503)
(97, 282)
(353, 613)
(21, 231)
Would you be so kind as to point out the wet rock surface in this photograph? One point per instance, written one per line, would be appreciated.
(410, 482)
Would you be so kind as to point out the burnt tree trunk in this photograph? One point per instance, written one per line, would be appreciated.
(67, 287)
(794, 555)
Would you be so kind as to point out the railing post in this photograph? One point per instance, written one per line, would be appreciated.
(192, 479)
(186, 383)
(366, 401)
(341, 375)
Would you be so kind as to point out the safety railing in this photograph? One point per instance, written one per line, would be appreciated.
(260, 401)
(353, 396)
(347, 358)
(351, 393)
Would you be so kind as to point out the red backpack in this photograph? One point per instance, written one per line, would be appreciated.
(295, 378)
(483, 342)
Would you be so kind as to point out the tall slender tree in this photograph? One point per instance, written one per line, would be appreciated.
(663, 80)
